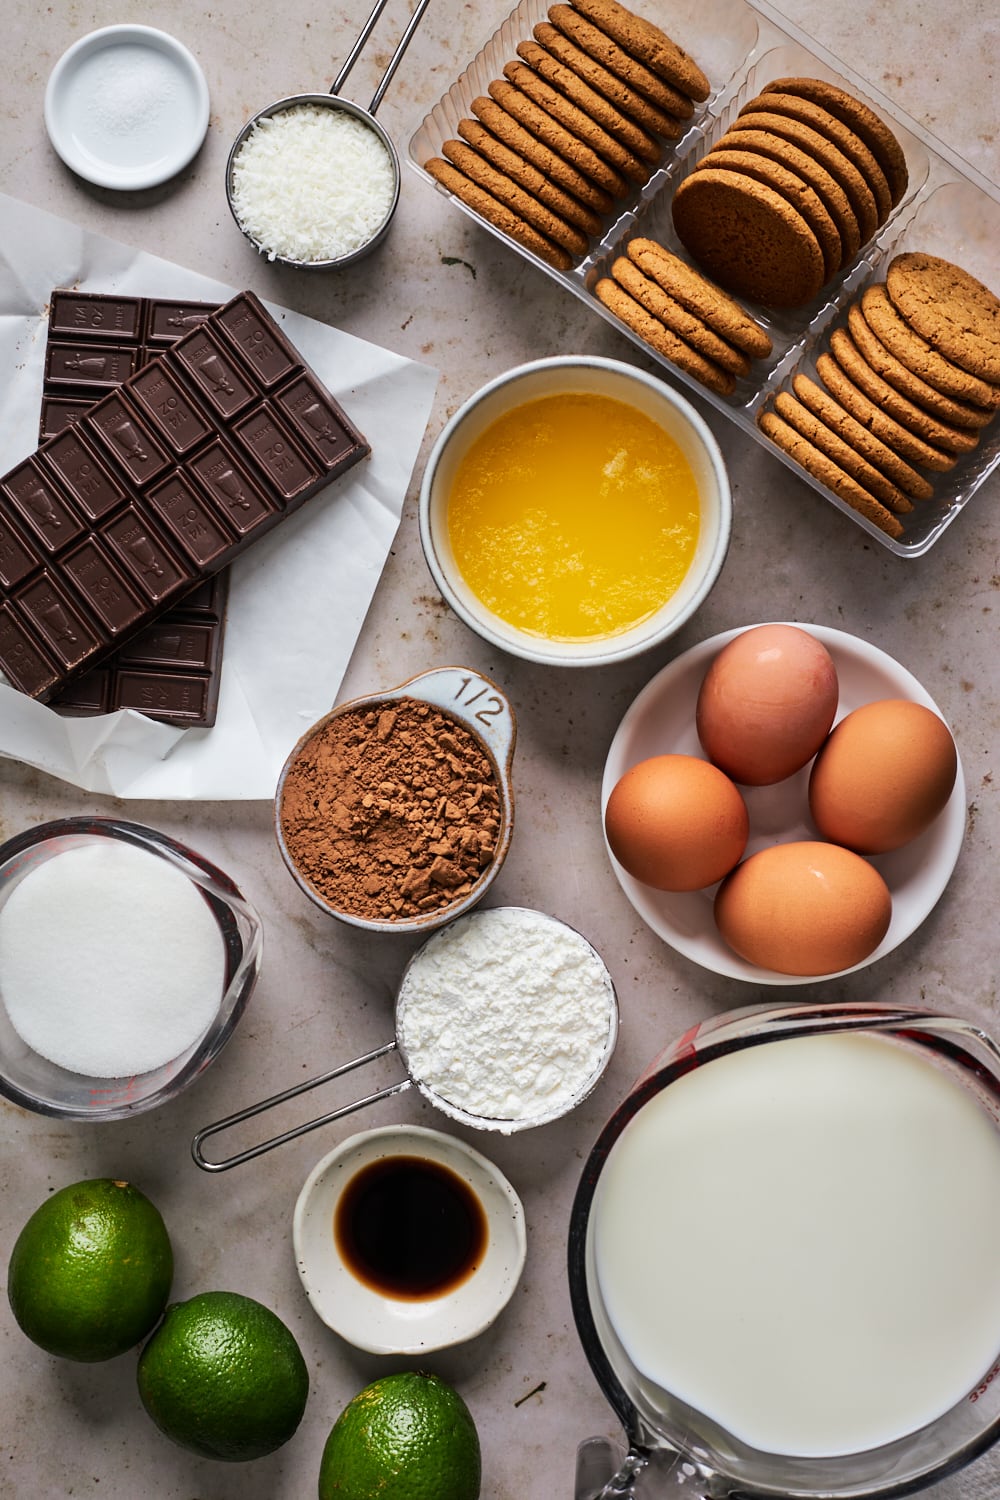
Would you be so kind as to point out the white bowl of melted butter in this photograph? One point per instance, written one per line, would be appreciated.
(575, 511)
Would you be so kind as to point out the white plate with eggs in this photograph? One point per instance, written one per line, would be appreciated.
(661, 721)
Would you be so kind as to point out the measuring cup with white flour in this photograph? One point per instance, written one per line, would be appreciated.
(810, 1306)
(505, 1020)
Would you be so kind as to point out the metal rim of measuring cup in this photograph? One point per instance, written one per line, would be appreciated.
(344, 106)
(453, 1112)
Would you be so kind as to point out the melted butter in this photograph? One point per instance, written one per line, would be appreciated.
(574, 517)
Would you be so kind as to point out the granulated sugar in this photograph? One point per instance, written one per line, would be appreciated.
(111, 963)
(311, 183)
(507, 1014)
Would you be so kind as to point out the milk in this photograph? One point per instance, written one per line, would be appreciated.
(801, 1240)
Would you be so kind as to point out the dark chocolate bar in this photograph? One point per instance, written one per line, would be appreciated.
(170, 671)
(97, 339)
(159, 485)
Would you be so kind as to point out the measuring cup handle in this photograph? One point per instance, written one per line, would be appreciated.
(290, 1135)
(602, 1474)
(474, 698)
(397, 56)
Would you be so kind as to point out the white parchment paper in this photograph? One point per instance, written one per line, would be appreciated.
(298, 597)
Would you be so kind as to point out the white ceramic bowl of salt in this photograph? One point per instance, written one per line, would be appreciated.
(126, 961)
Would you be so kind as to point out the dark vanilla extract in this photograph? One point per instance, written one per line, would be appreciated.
(410, 1228)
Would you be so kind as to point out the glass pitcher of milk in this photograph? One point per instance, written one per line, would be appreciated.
(784, 1256)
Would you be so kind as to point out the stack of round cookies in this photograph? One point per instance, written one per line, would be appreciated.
(785, 200)
(908, 385)
(683, 315)
(576, 124)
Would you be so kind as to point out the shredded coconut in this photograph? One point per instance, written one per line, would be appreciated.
(311, 183)
(111, 963)
(506, 1014)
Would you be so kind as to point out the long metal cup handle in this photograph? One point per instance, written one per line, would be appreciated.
(290, 1135)
(394, 60)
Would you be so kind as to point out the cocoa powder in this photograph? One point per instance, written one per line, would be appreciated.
(391, 811)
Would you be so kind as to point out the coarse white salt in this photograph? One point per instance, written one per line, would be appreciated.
(111, 962)
(311, 183)
(507, 1014)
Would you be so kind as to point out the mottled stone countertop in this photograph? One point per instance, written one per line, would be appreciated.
(444, 292)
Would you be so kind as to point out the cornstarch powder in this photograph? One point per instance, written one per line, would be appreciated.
(506, 1013)
(111, 963)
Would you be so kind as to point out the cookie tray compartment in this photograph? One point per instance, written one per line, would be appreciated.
(947, 210)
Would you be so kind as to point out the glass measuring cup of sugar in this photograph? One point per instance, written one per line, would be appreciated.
(120, 871)
(804, 1299)
(355, 170)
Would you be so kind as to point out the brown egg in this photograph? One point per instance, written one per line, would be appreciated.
(766, 703)
(804, 908)
(677, 823)
(883, 776)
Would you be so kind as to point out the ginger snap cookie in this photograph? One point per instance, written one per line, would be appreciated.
(652, 46)
(792, 187)
(506, 191)
(871, 366)
(573, 119)
(823, 468)
(834, 129)
(919, 357)
(497, 213)
(952, 310)
(935, 411)
(748, 238)
(512, 133)
(593, 104)
(865, 123)
(647, 115)
(840, 167)
(675, 316)
(827, 189)
(598, 45)
(662, 339)
(529, 178)
(551, 133)
(700, 296)
(861, 438)
(866, 410)
(797, 415)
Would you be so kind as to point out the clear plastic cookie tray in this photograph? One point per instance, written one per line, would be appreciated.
(948, 209)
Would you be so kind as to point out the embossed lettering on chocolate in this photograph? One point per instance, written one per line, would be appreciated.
(109, 522)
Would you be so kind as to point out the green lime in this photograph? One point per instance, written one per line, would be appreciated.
(224, 1377)
(90, 1272)
(404, 1437)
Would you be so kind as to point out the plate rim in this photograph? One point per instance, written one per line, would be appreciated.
(730, 965)
(105, 173)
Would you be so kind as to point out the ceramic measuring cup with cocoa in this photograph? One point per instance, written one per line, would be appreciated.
(394, 812)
